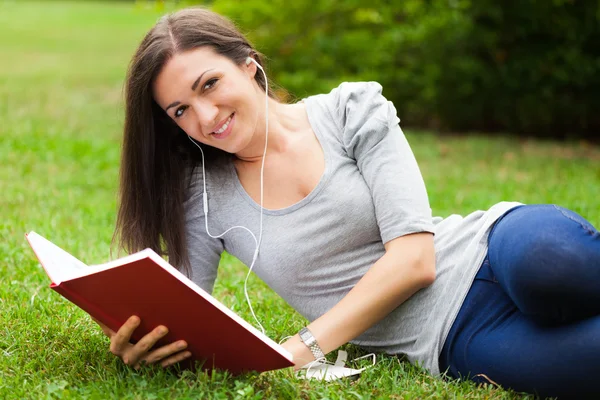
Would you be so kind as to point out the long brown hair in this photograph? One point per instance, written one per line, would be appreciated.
(157, 157)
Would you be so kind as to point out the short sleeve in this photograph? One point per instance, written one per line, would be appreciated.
(371, 135)
(204, 251)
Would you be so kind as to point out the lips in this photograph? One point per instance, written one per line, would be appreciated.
(224, 128)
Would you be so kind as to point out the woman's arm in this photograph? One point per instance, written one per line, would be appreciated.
(407, 266)
(367, 125)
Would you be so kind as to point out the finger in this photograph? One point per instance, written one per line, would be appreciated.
(165, 351)
(140, 350)
(120, 340)
(174, 359)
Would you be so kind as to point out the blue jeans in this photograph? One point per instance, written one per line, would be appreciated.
(531, 319)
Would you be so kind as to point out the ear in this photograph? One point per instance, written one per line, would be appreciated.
(250, 68)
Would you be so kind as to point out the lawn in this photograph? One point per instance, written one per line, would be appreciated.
(61, 73)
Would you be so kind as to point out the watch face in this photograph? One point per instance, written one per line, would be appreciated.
(306, 336)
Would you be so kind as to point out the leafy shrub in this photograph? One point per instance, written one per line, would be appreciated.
(526, 66)
(519, 65)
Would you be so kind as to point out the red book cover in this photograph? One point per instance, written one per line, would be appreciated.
(144, 284)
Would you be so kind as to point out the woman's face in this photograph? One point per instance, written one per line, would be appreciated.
(212, 99)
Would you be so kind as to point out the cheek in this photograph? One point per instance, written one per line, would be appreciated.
(190, 128)
(248, 110)
(236, 96)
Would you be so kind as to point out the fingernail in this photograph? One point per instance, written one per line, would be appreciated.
(162, 330)
(181, 345)
(187, 354)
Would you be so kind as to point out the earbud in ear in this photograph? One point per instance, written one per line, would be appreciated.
(252, 60)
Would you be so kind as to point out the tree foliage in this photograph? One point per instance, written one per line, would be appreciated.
(518, 65)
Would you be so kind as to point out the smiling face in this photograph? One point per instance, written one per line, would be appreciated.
(211, 98)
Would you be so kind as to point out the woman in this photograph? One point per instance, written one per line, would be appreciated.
(510, 293)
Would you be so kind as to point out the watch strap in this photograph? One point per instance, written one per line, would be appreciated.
(309, 340)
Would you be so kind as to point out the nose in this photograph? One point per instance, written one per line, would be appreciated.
(206, 113)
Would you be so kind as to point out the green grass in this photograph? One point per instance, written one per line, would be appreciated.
(61, 72)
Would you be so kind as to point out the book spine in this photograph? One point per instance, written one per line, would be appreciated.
(86, 306)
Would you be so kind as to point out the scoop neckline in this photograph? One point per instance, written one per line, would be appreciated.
(316, 190)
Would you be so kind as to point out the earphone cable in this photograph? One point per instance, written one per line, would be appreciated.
(205, 199)
(262, 170)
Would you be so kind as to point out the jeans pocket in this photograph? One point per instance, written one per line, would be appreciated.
(485, 272)
(573, 216)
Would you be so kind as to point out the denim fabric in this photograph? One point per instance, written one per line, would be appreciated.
(531, 319)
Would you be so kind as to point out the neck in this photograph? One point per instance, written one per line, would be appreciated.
(282, 123)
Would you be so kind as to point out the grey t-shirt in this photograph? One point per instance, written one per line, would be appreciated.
(314, 251)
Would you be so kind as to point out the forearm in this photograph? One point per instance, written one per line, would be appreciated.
(387, 284)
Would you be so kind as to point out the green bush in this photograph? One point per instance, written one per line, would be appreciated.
(526, 66)
(521, 66)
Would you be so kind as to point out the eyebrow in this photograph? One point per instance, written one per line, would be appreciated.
(175, 103)
(194, 86)
(197, 81)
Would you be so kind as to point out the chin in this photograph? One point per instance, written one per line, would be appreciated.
(238, 145)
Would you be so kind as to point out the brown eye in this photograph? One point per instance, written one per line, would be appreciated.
(209, 84)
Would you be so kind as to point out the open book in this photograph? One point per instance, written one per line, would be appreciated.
(144, 284)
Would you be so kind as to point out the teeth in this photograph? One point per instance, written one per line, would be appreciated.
(224, 127)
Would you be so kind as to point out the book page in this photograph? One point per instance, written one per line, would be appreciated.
(59, 265)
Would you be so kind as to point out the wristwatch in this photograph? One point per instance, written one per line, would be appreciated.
(309, 340)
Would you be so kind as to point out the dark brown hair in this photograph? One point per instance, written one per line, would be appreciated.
(157, 157)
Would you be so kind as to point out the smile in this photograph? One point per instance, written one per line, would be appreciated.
(225, 129)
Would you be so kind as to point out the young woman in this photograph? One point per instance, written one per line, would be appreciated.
(511, 293)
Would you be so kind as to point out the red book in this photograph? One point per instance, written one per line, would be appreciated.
(146, 285)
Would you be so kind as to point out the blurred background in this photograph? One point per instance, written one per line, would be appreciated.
(519, 66)
(516, 66)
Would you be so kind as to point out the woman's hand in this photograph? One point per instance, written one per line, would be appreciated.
(300, 352)
(140, 353)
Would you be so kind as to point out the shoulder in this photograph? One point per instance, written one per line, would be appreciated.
(351, 104)
(360, 104)
(357, 92)
(353, 94)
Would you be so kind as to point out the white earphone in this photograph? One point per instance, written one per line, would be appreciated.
(205, 197)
